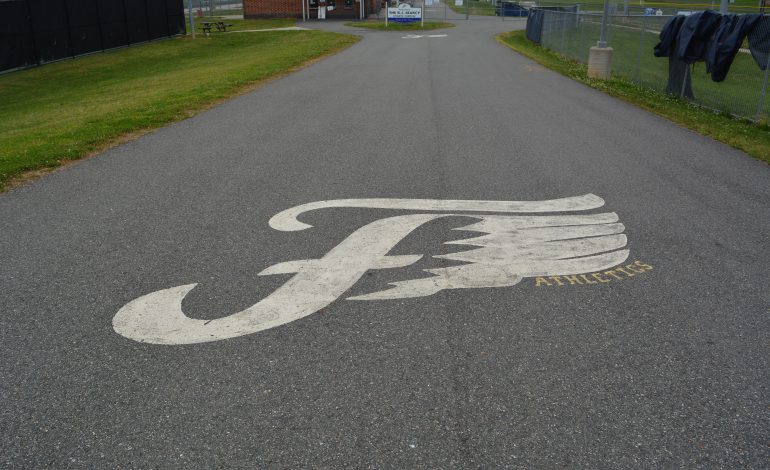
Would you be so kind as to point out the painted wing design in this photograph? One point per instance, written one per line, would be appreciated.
(514, 247)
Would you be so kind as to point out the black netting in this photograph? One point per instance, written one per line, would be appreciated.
(84, 26)
(176, 19)
(136, 17)
(37, 31)
(49, 23)
(17, 48)
(112, 20)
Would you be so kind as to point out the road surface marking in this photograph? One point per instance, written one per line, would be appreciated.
(418, 36)
(506, 249)
(612, 275)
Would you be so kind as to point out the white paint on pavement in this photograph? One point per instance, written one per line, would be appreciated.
(418, 36)
(287, 220)
(510, 248)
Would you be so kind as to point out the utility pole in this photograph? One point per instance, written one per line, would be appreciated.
(603, 35)
(723, 7)
(600, 56)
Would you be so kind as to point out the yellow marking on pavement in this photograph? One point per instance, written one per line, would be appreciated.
(612, 275)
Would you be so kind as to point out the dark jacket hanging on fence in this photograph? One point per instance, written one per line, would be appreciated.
(726, 43)
(535, 25)
(759, 41)
(679, 82)
(665, 47)
(713, 38)
(693, 39)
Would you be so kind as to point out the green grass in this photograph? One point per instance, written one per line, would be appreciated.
(226, 12)
(393, 26)
(475, 7)
(66, 110)
(668, 6)
(752, 138)
(633, 40)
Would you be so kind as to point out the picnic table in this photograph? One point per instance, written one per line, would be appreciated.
(219, 25)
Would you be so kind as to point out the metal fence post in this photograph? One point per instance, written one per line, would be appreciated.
(467, 8)
(684, 80)
(190, 13)
(125, 22)
(762, 94)
(101, 30)
(603, 34)
(639, 51)
(65, 4)
(35, 50)
(165, 11)
(147, 18)
(580, 44)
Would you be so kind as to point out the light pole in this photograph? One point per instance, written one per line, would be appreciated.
(192, 20)
(603, 35)
(600, 55)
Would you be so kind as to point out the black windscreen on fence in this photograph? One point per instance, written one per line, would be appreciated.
(37, 31)
(16, 46)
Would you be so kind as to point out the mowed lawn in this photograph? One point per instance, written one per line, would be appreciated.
(633, 41)
(753, 139)
(67, 110)
(474, 7)
(668, 6)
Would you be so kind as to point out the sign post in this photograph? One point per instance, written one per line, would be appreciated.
(404, 13)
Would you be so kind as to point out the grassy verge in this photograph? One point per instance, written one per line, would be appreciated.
(67, 110)
(475, 7)
(753, 139)
(633, 40)
(393, 26)
(669, 7)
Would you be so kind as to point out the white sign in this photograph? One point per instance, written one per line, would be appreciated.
(404, 13)
(458, 3)
(505, 249)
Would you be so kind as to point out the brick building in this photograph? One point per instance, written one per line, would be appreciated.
(348, 9)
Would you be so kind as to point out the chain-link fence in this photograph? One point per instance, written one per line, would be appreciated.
(633, 37)
(441, 10)
(217, 8)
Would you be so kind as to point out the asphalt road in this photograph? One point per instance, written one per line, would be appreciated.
(659, 367)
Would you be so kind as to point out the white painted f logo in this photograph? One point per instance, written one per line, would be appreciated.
(513, 247)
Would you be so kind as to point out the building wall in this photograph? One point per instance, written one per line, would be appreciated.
(272, 9)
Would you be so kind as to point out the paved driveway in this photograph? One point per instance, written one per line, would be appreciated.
(604, 305)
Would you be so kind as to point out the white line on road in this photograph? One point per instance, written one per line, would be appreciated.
(418, 36)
